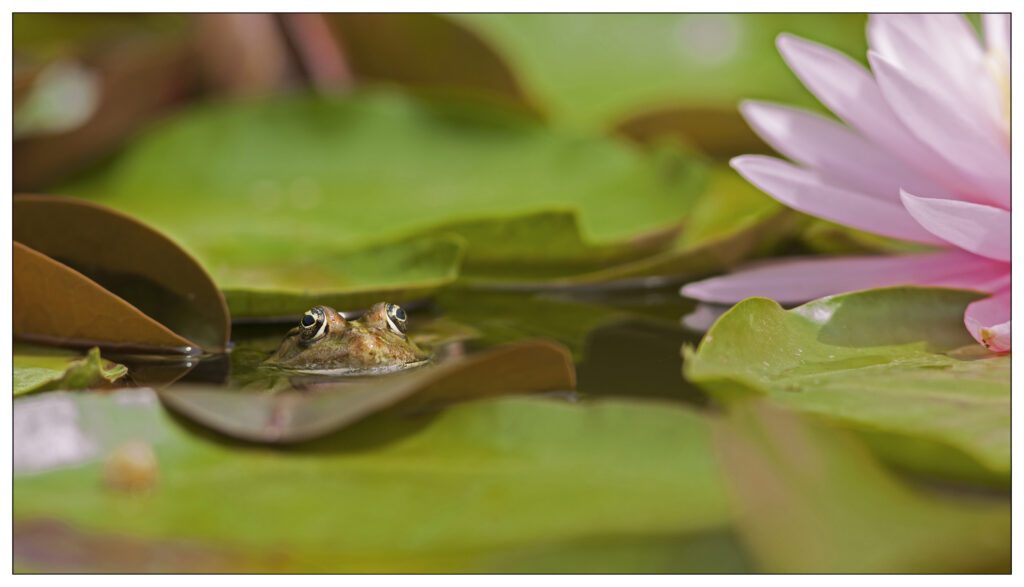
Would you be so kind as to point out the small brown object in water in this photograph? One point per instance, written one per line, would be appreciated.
(131, 468)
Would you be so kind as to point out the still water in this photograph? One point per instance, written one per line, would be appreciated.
(624, 343)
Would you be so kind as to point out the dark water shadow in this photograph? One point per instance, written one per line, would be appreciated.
(638, 358)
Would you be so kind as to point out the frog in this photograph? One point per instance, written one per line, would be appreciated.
(326, 342)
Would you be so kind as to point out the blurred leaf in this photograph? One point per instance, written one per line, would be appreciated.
(897, 361)
(594, 70)
(304, 181)
(446, 492)
(320, 409)
(39, 36)
(424, 51)
(832, 239)
(44, 369)
(85, 274)
(710, 552)
(131, 69)
(811, 500)
(243, 53)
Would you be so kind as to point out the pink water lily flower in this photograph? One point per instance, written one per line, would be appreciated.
(922, 154)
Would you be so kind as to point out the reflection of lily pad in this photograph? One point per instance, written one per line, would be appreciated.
(811, 500)
(395, 493)
(896, 363)
(298, 415)
(323, 177)
(44, 369)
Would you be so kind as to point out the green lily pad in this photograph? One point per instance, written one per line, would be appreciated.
(43, 369)
(274, 280)
(729, 222)
(592, 70)
(255, 189)
(895, 363)
(446, 491)
(810, 499)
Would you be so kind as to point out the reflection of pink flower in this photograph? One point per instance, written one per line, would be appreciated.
(924, 156)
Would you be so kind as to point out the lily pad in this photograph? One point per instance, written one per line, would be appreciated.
(810, 499)
(85, 275)
(297, 415)
(318, 178)
(896, 362)
(729, 222)
(44, 369)
(43, 286)
(276, 280)
(395, 493)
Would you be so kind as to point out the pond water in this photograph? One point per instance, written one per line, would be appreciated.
(624, 343)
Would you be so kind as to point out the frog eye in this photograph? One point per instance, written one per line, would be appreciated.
(396, 319)
(313, 324)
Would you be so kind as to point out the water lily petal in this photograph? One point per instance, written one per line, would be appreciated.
(988, 321)
(802, 279)
(837, 152)
(997, 32)
(983, 230)
(802, 190)
(942, 53)
(849, 90)
(961, 141)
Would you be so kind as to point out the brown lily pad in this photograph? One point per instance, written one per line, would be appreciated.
(86, 275)
(298, 415)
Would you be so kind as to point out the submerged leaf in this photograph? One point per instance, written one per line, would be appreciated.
(143, 273)
(44, 369)
(449, 491)
(298, 415)
(894, 362)
(810, 499)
